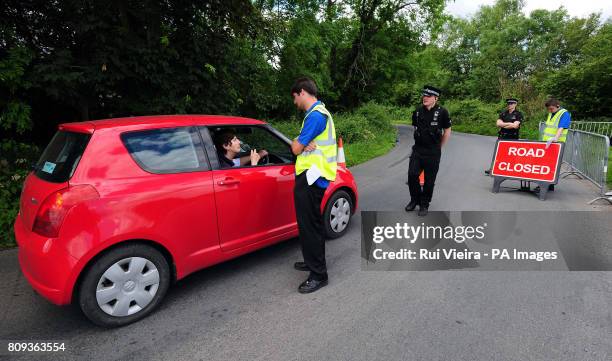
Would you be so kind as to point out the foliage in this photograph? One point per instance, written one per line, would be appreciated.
(586, 83)
(15, 161)
(367, 132)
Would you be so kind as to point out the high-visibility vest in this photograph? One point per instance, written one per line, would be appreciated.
(325, 156)
(552, 124)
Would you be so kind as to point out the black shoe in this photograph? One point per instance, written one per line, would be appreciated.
(423, 210)
(311, 285)
(488, 172)
(551, 188)
(410, 206)
(301, 266)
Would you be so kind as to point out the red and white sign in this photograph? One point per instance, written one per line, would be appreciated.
(527, 160)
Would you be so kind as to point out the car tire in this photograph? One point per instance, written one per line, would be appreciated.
(337, 214)
(124, 285)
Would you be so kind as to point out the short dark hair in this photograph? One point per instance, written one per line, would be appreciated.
(304, 84)
(223, 137)
(552, 102)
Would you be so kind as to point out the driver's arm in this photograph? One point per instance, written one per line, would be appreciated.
(246, 160)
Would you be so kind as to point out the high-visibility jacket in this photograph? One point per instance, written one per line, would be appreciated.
(552, 124)
(325, 156)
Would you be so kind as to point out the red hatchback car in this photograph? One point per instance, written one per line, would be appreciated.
(116, 210)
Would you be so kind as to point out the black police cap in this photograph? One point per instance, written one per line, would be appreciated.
(428, 90)
(511, 100)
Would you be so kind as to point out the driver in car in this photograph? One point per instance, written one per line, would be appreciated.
(228, 147)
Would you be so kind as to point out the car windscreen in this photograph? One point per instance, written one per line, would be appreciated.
(61, 157)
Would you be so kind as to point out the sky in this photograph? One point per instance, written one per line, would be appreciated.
(576, 8)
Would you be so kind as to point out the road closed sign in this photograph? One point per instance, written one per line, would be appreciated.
(529, 160)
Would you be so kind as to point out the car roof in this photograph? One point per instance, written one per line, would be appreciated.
(160, 120)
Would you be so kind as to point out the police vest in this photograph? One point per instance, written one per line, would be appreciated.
(426, 132)
(552, 124)
(325, 156)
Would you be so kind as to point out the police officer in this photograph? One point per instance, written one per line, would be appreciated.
(509, 122)
(315, 168)
(432, 129)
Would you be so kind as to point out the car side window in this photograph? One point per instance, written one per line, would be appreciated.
(255, 137)
(168, 150)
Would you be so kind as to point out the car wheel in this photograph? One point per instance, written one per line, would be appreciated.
(124, 285)
(337, 215)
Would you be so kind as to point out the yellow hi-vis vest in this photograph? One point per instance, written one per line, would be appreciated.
(325, 156)
(552, 124)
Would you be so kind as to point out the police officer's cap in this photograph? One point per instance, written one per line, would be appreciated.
(428, 90)
(511, 100)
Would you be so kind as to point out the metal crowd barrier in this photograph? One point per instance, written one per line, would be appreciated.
(586, 156)
(603, 128)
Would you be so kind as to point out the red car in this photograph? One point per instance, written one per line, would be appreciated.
(116, 210)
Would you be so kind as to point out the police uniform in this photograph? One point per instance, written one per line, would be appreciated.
(429, 126)
(508, 117)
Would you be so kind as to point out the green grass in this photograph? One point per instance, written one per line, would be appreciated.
(363, 151)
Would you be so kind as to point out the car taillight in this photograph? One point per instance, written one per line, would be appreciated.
(53, 210)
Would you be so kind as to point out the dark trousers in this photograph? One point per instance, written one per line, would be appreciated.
(429, 164)
(310, 225)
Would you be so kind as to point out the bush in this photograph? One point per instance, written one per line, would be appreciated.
(477, 117)
(473, 116)
(360, 125)
(353, 128)
(14, 167)
(367, 132)
(291, 129)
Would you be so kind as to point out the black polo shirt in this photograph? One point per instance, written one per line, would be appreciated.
(429, 128)
(224, 162)
(508, 117)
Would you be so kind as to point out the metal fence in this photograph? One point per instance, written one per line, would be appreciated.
(586, 156)
(603, 128)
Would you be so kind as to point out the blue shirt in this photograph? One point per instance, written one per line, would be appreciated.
(314, 124)
(565, 120)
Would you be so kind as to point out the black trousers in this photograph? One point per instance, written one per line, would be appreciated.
(429, 164)
(310, 225)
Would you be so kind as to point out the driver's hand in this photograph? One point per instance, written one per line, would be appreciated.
(254, 157)
(262, 153)
(311, 146)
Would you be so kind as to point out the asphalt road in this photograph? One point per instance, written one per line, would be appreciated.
(249, 309)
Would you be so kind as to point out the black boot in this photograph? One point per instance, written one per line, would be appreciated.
(410, 206)
(311, 285)
(301, 266)
(423, 210)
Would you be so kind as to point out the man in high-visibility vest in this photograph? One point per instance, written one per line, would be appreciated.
(315, 168)
(557, 124)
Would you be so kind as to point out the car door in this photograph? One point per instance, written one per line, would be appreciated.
(254, 203)
(174, 199)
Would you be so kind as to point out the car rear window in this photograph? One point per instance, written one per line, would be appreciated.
(173, 150)
(61, 157)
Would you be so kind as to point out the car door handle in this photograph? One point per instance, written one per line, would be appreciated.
(228, 182)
